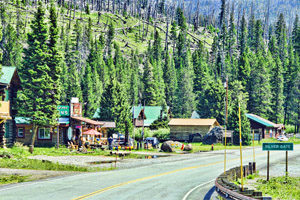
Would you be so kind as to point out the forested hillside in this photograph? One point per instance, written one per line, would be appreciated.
(115, 54)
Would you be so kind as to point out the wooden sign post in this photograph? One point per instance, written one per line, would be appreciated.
(277, 147)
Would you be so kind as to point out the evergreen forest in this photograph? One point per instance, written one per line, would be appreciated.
(113, 54)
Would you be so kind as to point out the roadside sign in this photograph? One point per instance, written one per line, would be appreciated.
(278, 147)
(64, 111)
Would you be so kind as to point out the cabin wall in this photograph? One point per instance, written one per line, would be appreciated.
(181, 132)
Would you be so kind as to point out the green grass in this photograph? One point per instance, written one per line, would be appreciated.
(270, 140)
(19, 159)
(25, 163)
(204, 147)
(280, 187)
(7, 179)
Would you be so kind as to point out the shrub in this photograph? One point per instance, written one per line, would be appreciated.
(246, 138)
(290, 129)
(160, 123)
(162, 134)
(137, 133)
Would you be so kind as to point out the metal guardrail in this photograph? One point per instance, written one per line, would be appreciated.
(229, 190)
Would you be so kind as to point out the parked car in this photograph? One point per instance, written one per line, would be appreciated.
(282, 138)
(153, 141)
(119, 140)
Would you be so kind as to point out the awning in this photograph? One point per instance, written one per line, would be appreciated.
(63, 120)
(91, 132)
(88, 121)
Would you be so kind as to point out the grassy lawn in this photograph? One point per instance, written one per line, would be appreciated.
(280, 187)
(202, 147)
(7, 179)
(19, 159)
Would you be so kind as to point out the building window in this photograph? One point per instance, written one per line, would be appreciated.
(44, 134)
(21, 133)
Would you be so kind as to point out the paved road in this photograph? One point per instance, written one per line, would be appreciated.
(170, 180)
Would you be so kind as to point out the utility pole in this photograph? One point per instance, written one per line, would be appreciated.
(225, 126)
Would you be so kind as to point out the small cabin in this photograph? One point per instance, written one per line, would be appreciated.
(9, 85)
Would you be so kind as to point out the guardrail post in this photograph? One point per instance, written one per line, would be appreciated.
(250, 168)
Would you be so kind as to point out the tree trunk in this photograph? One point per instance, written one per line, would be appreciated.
(33, 136)
(2, 133)
(74, 9)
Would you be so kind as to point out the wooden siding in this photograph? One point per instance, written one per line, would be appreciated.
(39, 142)
(181, 133)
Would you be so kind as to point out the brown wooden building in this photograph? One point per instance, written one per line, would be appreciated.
(9, 85)
(180, 129)
(264, 128)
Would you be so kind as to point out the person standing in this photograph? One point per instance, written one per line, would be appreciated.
(110, 140)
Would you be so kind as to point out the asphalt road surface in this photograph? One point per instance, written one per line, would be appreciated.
(182, 179)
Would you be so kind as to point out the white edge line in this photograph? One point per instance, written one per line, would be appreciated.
(189, 192)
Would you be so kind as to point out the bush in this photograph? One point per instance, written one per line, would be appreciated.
(160, 123)
(162, 134)
(137, 133)
(246, 138)
(290, 129)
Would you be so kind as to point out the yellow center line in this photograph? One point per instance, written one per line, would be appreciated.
(150, 177)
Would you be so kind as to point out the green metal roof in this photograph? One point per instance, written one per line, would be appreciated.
(260, 120)
(7, 74)
(22, 120)
(152, 113)
(195, 115)
(97, 114)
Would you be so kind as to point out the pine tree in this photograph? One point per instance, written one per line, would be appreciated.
(290, 75)
(55, 59)
(231, 33)
(296, 35)
(134, 79)
(89, 92)
(109, 38)
(277, 89)
(280, 33)
(243, 35)
(150, 87)
(114, 106)
(157, 49)
(273, 46)
(252, 28)
(121, 110)
(108, 102)
(170, 80)
(36, 80)
(11, 47)
(200, 69)
(71, 57)
(211, 101)
(258, 43)
(238, 96)
(244, 68)
(259, 87)
(180, 19)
